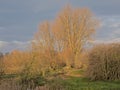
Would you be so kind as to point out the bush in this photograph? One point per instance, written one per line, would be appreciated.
(104, 62)
(28, 81)
(1, 65)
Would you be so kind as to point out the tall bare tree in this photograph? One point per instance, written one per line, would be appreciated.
(68, 33)
(74, 27)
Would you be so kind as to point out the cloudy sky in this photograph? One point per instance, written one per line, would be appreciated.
(19, 19)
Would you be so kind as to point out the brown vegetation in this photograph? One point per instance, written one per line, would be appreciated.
(58, 47)
(104, 62)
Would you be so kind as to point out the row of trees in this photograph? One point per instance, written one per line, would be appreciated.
(58, 43)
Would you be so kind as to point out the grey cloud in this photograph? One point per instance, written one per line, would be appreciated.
(14, 45)
(19, 18)
(2, 28)
(103, 7)
(100, 7)
(3, 44)
(117, 40)
(109, 29)
(115, 25)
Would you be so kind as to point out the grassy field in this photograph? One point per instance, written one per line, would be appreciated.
(77, 83)
(73, 80)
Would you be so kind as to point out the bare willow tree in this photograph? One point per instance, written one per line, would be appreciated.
(74, 27)
(43, 46)
(68, 33)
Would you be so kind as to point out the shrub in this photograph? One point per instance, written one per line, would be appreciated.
(104, 62)
(32, 81)
(1, 65)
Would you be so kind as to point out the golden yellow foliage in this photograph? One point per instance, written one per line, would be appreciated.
(56, 44)
(68, 33)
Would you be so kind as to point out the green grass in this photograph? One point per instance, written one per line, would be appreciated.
(76, 83)
(7, 76)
